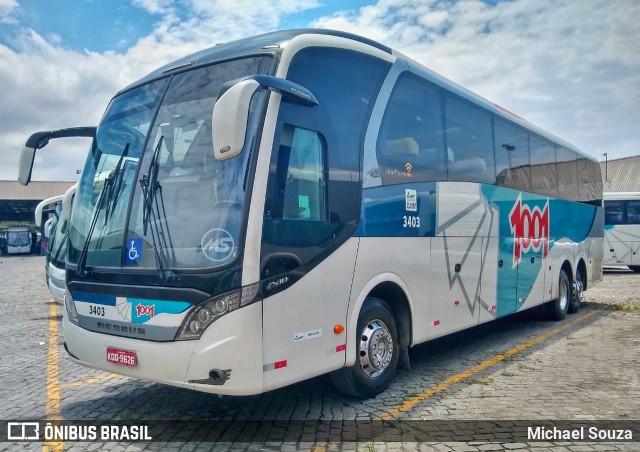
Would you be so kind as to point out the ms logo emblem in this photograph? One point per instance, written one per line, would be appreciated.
(217, 245)
(530, 229)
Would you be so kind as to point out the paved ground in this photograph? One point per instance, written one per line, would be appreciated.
(519, 369)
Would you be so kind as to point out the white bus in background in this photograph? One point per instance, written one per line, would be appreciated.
(57, 250)
(622, 230)
(309, 202)
(55, 232)
(44, 210)
(17, 240)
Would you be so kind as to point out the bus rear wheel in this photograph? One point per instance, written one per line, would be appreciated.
(378, 350)
(576, 293)
(557, 309)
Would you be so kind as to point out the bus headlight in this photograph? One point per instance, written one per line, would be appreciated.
(70, 306)
(207, 312)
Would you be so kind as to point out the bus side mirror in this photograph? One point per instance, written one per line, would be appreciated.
(47, 228)
(25, 165)
(229, 119)
(66, 202)
(39, 140)
(230, 116)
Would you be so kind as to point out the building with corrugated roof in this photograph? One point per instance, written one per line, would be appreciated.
(18, 203)
(621, 175)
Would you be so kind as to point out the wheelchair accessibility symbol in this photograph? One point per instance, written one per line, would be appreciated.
(134, 250)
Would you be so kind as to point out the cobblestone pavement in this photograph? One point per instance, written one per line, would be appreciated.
(521, 368)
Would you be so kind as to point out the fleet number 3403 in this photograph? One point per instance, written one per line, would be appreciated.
(410, 221)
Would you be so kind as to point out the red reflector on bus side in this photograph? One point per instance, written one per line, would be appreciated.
(280, 364)
(341, 348)
(436, 323)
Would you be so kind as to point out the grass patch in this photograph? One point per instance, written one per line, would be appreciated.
(613, 307)
(523, 366)
(479, 381)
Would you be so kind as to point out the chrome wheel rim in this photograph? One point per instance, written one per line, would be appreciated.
(579, 287)
(376, 348)
(564, 297)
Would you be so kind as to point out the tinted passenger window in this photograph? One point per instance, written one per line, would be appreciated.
(589, 181)
(411, 145)
(633, 212)
(614, 212)
(543, 166)
(301, 189)
(512, 146)
(567, 173)
(469, 142)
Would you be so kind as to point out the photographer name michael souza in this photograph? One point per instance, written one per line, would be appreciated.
(579, 433)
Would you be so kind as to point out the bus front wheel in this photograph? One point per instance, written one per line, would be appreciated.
(557, 309)
(378, 350)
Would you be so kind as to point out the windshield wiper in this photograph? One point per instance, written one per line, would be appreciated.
(151, 216)
(117, 183)
(108, 183)
(94, 219)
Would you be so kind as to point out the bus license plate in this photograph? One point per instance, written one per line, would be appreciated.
(121, 357)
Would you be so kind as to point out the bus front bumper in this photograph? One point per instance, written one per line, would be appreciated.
(56, 283)
(232, 344)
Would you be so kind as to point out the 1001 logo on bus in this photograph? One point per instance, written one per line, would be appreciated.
(530, 229)
(142, 310)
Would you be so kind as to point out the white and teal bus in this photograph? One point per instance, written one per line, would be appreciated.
(622, 230)
(310, 202)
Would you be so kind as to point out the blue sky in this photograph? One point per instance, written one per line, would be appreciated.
(104, 25)
(571, 67)
(82, 24)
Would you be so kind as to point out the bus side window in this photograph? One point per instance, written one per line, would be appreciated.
(301, 183)
(567, 169)
(633, 212)
(410, 145)
(512, 155)
(469, 137)
(544, 179)
(614, 212)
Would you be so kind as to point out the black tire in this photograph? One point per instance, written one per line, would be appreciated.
(576, 293)
(557, 309)
(635, 268)
(372, 372)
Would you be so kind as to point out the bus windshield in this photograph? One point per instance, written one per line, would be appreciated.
(151, 193)
(57, 239)
(18, 238)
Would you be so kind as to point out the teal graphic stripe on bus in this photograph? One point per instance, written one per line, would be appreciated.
(142, 309)
(448, 209)
(538, 222)
(134, 310)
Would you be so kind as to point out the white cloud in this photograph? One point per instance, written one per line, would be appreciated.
(7, 9)
(44, 86)
(570, 67)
